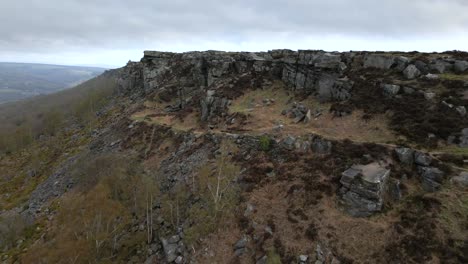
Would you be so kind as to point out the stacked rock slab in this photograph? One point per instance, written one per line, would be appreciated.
(363, 189)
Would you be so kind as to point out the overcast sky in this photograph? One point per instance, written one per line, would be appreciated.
(111, 32)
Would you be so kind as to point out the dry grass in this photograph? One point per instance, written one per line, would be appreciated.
(262, 118)
(349, 235)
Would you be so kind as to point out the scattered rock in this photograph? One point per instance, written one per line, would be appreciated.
(411, 72)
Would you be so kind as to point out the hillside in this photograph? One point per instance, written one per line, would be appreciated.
(238, 157)
(23, 80)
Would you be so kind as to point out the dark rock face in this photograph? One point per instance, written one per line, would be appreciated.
(383, 62)
(363, 189)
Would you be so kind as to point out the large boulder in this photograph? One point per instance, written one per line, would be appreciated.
(363, 189)
(411, 72)
(383, 62)
(431, 178)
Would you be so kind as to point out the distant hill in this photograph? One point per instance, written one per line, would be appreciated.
(23, 80)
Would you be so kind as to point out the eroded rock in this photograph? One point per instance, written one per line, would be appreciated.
(363, 189)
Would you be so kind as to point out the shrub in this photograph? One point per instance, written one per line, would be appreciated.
(265, 143)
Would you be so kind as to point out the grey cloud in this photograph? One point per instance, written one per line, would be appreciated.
(48, 26)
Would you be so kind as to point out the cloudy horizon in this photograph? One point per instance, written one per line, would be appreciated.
(109, 33)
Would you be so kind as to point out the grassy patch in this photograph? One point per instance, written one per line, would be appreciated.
(454, 77)
(455, 150)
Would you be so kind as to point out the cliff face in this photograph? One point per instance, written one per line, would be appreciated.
(325, 74)
(374, 82)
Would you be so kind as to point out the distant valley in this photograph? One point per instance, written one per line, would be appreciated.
(23, 80)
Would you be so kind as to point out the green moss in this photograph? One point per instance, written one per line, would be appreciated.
(265, 143)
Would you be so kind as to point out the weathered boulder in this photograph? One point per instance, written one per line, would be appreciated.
(422, 158)
(390, 90)
(431, 178)
(405, 155)
(460, 66)
(363, 189)
(411, 72)
(383, 62)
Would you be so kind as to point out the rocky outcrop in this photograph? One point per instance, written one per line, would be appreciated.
(363, 189)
